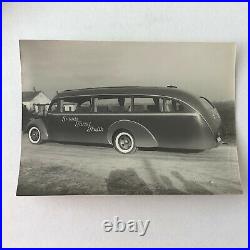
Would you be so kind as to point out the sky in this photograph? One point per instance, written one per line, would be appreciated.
(204, 69)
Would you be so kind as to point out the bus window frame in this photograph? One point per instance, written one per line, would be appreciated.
(95, 103)
(94, 98)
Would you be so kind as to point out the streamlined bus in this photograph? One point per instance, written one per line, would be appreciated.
(129, 117)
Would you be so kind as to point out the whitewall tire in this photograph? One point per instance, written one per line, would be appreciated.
(124, 143)
(35, 135)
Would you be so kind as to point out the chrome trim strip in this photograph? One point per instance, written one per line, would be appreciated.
(126, 114)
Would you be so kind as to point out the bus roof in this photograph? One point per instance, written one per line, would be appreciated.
(170, 91)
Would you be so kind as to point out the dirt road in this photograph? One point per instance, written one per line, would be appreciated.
(55, 168)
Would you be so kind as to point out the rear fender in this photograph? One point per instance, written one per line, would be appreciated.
(41, 125)
(143, 137)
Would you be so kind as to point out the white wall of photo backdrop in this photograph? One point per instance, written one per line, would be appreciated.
(76, 221)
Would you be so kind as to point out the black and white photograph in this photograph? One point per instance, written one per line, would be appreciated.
(128, 118)
(125, 124)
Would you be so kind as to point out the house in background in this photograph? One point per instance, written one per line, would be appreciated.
(35, 101)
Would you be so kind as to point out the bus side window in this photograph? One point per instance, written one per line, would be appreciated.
(68, 105)
(175, 106)
(54, 107)
(75, 105)
(84, 106)
(147, 105)
(168, 105)
(112, 104)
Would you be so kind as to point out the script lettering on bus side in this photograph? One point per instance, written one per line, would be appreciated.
(82, 124)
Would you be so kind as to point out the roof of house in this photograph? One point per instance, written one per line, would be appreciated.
(29, 95)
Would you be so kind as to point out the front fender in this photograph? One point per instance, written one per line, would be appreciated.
(143, 137)
(41, 125)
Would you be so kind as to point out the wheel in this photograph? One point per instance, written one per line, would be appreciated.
(35, 135)
(124, 143)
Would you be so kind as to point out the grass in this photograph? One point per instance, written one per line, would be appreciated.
(46, 179)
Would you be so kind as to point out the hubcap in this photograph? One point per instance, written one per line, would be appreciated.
(34, 134)
(125, 142)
